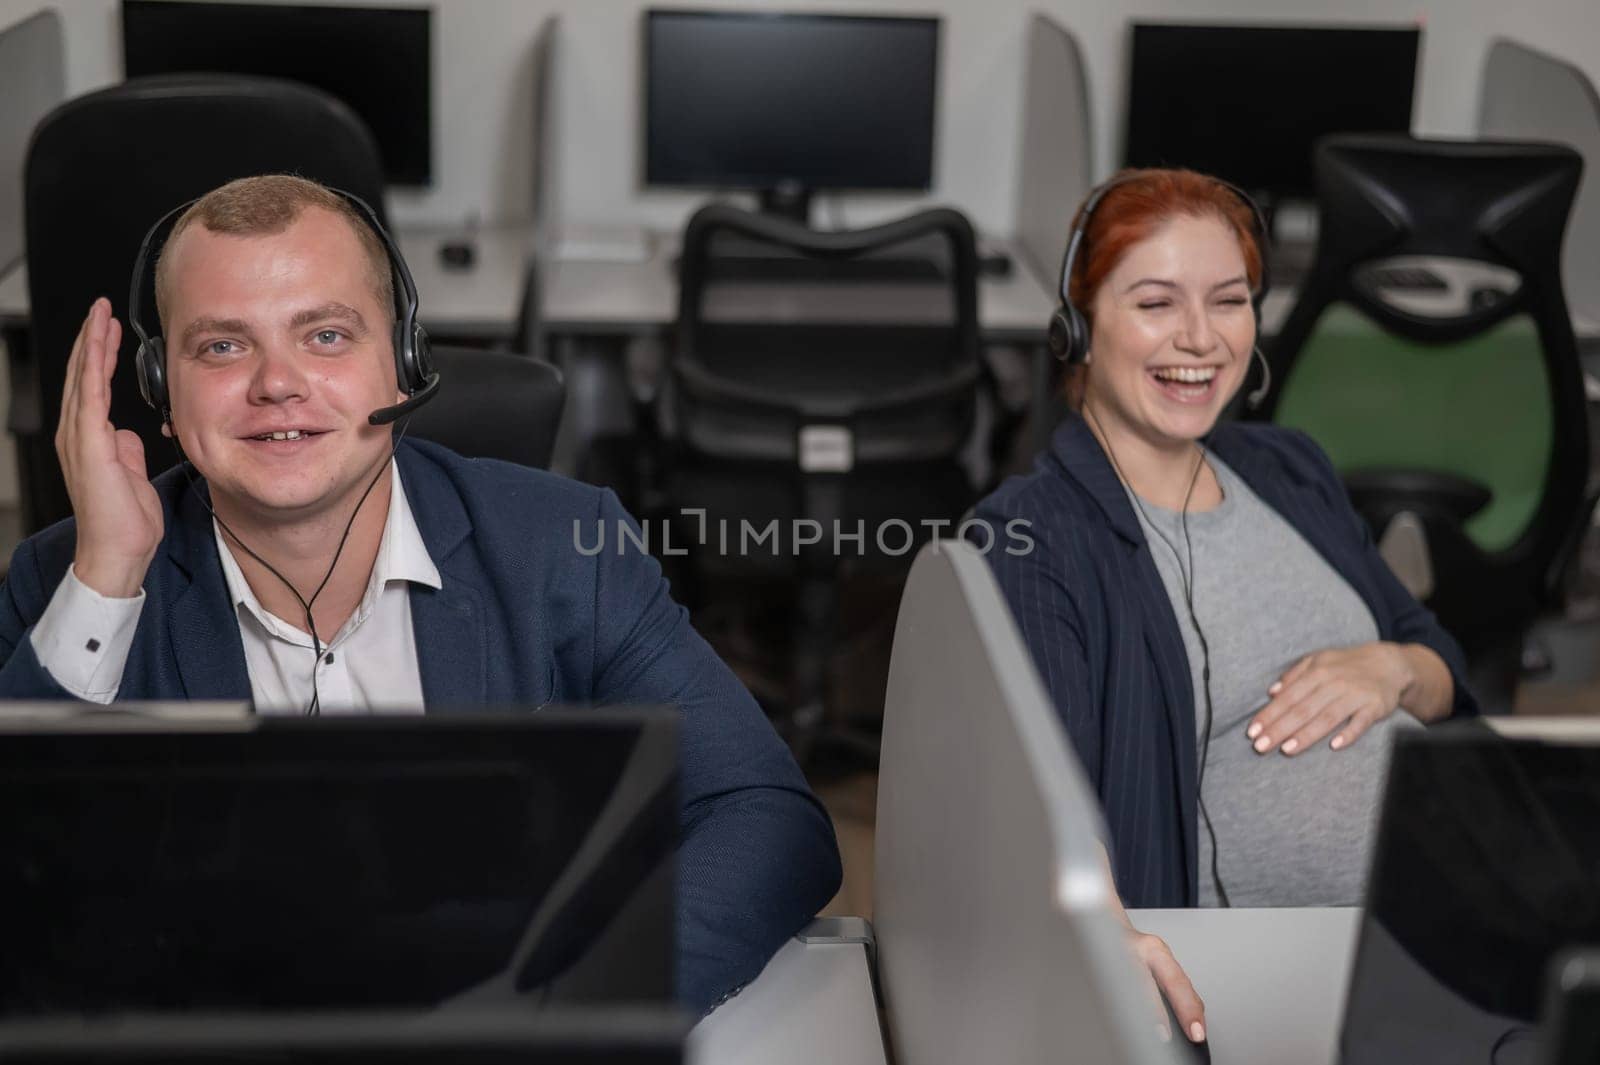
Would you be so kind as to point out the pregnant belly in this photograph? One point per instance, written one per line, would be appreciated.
(1296, 831)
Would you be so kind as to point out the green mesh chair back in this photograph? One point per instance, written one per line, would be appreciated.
(1478, 409)
(1467, 411)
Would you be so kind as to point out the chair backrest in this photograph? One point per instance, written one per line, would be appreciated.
(870, 333)
(993, 907)
(1489, 389)
(103, 167)
(493, 404)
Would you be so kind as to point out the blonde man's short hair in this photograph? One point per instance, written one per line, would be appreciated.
(271, 203)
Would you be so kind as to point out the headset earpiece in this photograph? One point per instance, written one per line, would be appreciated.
(1069, 340)
(150, 363)
(413, 357)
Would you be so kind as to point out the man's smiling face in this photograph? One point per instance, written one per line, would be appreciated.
(278, 348)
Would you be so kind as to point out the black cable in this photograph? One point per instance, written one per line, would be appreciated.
(1186, 578)
(314, 708)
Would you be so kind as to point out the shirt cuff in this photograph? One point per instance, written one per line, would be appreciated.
(83, 638)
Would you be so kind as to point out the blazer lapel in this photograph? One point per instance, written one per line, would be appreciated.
(1086, 462)
(201, 624)
(447, 623)
(452, 656)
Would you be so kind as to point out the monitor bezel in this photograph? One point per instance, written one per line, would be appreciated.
(646, 183)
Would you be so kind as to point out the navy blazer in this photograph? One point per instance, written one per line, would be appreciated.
(523, 617)
(1097, 618)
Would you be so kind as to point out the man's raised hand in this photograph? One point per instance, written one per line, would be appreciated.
(117, 509)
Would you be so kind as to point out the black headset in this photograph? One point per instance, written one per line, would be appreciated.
(413, 361)
(1069, 329)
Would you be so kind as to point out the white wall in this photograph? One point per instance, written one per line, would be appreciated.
(484, 111)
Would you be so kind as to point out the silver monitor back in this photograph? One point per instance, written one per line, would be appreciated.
(1053, 174)
(32, 81)
(1528, 95)
(993, 909)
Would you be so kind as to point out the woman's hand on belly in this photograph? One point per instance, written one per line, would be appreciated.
(1345, 690)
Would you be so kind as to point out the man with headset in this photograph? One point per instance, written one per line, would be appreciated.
(322, 567)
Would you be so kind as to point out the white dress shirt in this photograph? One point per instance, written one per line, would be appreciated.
(83, 638)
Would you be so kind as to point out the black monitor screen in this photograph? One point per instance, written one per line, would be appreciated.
(1248, 102)
(1487, 866)
(374, 59)
(339, 863)
(759, 101)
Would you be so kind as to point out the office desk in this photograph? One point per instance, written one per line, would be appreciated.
(579, 298)
(812, 1003)
(622, 299)
(483, 301)
(1273, 981)
(479, 302)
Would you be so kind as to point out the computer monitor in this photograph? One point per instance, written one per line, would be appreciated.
(636, 1036)
(789, 104)
(376, 59)
(459, 861)
(997, 924)
(1487, 867)
(1248, 102)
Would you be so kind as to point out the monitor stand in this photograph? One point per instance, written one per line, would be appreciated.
(787, 199)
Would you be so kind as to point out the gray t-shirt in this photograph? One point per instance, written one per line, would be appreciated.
(1291, 831)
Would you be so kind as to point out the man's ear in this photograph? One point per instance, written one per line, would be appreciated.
(167, 431)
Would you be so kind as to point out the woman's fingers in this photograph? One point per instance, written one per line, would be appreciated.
(1358, 724)
(1175, 986)
(1296, 716)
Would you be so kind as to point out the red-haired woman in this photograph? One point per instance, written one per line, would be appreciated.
(1221, 639)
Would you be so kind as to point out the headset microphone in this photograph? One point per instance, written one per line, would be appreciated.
(385, 415)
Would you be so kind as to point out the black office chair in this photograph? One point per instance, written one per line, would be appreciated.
(1471, 416)
(100, 170)
(829, 377)
(493, 404)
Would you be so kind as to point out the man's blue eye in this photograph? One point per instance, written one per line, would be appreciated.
(220, 347)
(328, 336)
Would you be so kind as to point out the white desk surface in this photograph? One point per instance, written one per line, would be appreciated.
(1273, 980)
(594, 297)
(484, 299)
(812, 1003)
(620, 298)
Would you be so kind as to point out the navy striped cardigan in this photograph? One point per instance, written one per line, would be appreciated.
(1095, 615)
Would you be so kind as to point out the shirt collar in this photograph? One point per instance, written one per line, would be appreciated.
(402, 556)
